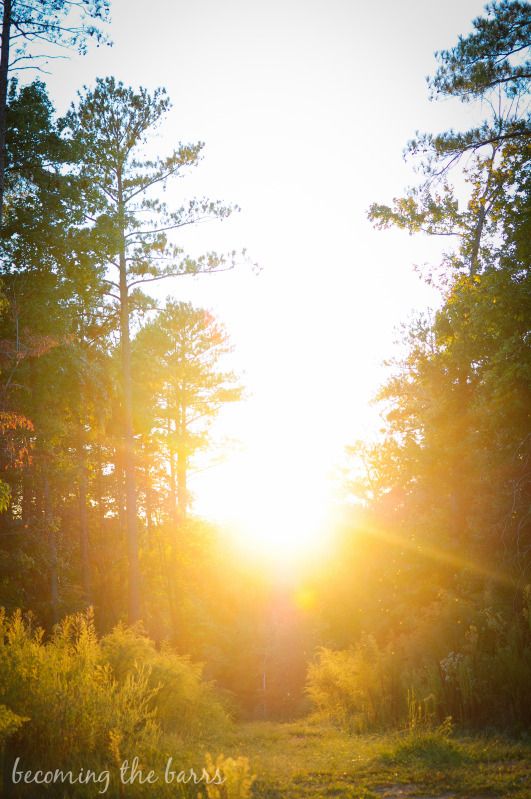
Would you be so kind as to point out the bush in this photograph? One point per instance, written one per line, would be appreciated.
(358, 689)
(68, 697)
(9, 723)
(76, 703)
(236, 776)
(183, 702)
(485, 678)
(428, 748)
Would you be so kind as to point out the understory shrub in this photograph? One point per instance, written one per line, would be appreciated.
(183, 702)
(74, 702)
(484, 680)
(236, 776)
(431, 747)
(358, 689)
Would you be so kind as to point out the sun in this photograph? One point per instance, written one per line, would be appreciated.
(275, 505)
(284, 513)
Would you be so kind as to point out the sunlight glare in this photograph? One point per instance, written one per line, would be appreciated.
(274, 506)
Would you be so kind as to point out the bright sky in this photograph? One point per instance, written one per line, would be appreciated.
(305, 107)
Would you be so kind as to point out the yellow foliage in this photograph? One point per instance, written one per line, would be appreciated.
(232, 778)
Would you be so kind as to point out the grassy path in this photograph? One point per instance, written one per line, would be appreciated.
(306, 761)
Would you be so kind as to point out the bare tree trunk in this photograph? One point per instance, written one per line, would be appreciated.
(173, 482)
(149, 503)
(167, 570)
(182, 487)
(129, 443)
(4, 68)
(52, 549)
(485, 205)
(182, 461)
(99, 497)
(84, 545)
(119, 476)
(170, 566)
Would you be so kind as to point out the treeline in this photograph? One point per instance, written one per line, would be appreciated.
(107, 398)
(436, 569)
(422, 610)
(88, 472)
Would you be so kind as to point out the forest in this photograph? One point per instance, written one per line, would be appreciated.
(133, 630)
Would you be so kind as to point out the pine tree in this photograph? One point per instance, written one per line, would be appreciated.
(132, 230)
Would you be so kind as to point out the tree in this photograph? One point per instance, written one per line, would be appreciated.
(481, 61)
(62, 23)
(492, 65)
(43, 199)
(497, 151)
(178, 374)
(55, 319)
(132, 229)
(456, 418)
(180, 387)
(443, 540)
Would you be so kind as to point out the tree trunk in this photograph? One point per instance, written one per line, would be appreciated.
(4, 68)
(119, 477)
(129, 442)
(84, 546)
(182, 459)
(149, 502)
(182, 489)
(173, 483)
(52, 549)
(99, 494)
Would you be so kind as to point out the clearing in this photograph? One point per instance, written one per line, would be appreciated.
(310, 761)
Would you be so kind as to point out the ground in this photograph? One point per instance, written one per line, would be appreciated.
(311, 761)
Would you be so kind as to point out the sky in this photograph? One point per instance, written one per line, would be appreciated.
(305, 107)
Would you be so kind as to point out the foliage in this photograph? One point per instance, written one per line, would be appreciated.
(431, 748)
(422, 611)
(497, 151)
(9, 723)
(180, 387)
(77, 702)
(54, 22)
(182, 701)
(235, 775)
(131, 230)
(61, 23)
(446, 488)
(356, 689)
(67, 693)
(482, 60)
(111, 125)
